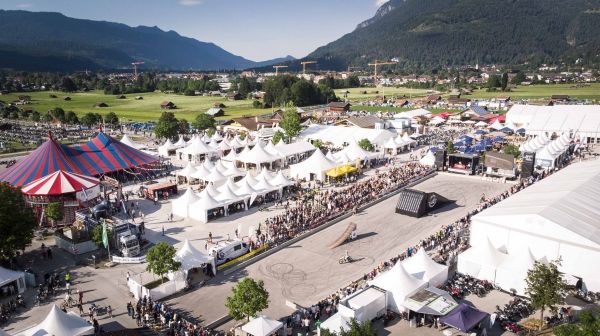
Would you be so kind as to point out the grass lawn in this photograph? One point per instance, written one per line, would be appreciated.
(131, 109)
(591, 92)
(356, 93)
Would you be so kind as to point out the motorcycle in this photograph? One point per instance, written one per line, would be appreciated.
(21, 301)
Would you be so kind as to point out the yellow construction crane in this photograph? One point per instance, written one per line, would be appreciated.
(304, 65)
(376, 64)
(350, 68)
(277, 67)
(135, 64)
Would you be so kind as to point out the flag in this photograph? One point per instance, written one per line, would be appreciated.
(85, 195)
(104, 236)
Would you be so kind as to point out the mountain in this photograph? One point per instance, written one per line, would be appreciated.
(435, 33)
(52, 41)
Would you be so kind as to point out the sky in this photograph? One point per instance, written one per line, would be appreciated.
(255, 29)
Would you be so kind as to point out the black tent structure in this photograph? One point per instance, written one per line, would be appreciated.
(417, 203)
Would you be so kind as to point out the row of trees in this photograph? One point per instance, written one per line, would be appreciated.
(280, 90)
(169, 127)
(59, 115)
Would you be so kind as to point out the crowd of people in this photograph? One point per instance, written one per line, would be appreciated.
(316, 206)
(29, 133)
(159, 316)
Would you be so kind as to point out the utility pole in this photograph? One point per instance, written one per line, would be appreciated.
(277, 67)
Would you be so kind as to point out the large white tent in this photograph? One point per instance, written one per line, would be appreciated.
(127, 141)
(190, 257)
(187, 171)
(511, 274)
(57, 323)
(7, 276)
(196, 150)
(314, 167)
(496, 125)
(556, 217)
(258, 155)
(199, 209)
(180, 142)
(481, 261)
(354, 152)
(428, 159)
(181, 206)
(342, 135)
(165, 148)
(399, 285)
(582, 120)
(412, 114)
(422, 267)
(262, 326)
(335, 323)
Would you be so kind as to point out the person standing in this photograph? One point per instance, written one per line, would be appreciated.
(80, 294)
(109, 311)
(210, 237)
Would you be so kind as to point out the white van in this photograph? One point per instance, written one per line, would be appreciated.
(225, 251)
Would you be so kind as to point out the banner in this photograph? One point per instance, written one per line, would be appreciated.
(104, 236)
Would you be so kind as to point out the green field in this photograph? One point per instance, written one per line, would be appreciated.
(188, 107)
(591, 92)
(357, 93)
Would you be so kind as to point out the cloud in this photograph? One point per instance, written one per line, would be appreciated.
(24, 5)
(380, 3)
(190, 2)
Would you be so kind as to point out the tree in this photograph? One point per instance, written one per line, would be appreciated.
(366, 145)
(17, 221)
(68, 85)
(290, 122)
(545, 286)
(588, 326)
(204, 121)
(519, 78)
(54, 211)
(248, 298)
(450, 147)
(277, 137)
(70, 118)
(58, 114)
(494, 82)
(160, 259)
(89, 119)
(111, 119)
(96, 235)
(183, 126)
(504, 81)
(167, 126)
(356, 329)
(35, 116)
(513, 150)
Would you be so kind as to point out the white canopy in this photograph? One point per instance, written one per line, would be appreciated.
(233, 171)
(213, 144)
(281, 181)
(294, 148)
(223, 146)
(481, 124)
(190, 257)
(186, 172)
(127, 141)
(181, 206)
(258, 155)
(423, 267)
(428, 159)
(231, 156)
(262, 326)
(228, 196)
(215, 176)
(330, 156)
(180, 143)
(481, 261)
(220, 166)
(317, 164)
(354, 152)
(511, 274)
(247, 178)
(392, 144)
(199, 209)
(7, 276)
(57, 323)
(217, 137)
(437, 120)
(496, 125)
(230, 183)
(411, 114)
(196, 147)
(200, 173)
(270, 148)
(341, 135)
(399, 284)
(336, 323)
(166, 147)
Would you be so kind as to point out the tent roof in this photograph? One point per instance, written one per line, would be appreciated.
(57, 323)
(464, 317)
(496, 125)
(200, 173)
(196, 147)
(422, 266)
(227, 194)
(180, 143)
(262, 326)
(428, 159)
(413, 113)
(336, 323)
(354, 152)
(231, 156)
(247, 178)
(7, 275)
(206, 202)
(281, 181)
(579, 118)
(190, 257)
(317, 162)
(294, 148)
(338, 135)
(568, 199)
(214, 176)
(60, 182)
(127, 141)
(187, 171)
(257, 155)
(188, 197)
(398, 281)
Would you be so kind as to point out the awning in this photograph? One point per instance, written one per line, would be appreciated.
(341, 171)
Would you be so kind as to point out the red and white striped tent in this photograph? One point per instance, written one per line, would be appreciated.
(58, 183)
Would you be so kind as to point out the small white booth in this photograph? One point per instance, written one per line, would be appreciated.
(422, 267)
(313, 168)
(399, 285)
(11, 278)
(58, 323)
(262, 326)
(190, 257)
(364, 305)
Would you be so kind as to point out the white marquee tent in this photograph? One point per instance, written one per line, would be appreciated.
(315, 166)
(354, 152)
(127, 141)
(165, 148)
(511, 274)
(411, 114)
(422, 267)
(340, 135)
(335, 323)
(556, 217)
(187, 171)
(481, 261)
(180, 143)
(57, 323)
(181, 206)
(190, 257)
(7, 276)
(399, 284)
(428, 159)
(199, 209)
(496, 125)
(262, 326)
(258, 155)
